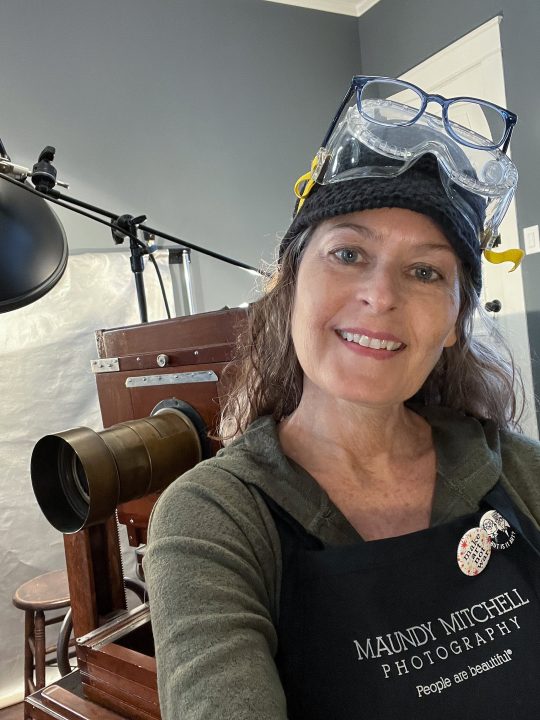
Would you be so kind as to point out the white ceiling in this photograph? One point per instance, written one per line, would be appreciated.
(342, 7)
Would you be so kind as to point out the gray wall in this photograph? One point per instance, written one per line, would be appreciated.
(395, 36)
(199, 113)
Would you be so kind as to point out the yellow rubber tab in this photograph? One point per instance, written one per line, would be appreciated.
(305, 183)
(515, 255)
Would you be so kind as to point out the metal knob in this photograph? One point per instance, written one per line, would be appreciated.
(162, 360)
(493, 306)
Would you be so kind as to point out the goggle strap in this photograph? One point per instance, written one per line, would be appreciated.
(333, 124)
(305, 183)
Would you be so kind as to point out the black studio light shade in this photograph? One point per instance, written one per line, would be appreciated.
(34, 247)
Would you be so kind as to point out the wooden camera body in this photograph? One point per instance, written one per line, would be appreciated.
(137, 368)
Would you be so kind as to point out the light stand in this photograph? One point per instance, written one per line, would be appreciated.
(186, 264)
(128, 228)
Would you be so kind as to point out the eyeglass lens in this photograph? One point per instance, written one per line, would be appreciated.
(463, 115)
(485, 119)
(385, 90)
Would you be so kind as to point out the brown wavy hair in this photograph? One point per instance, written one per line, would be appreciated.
(474, 377)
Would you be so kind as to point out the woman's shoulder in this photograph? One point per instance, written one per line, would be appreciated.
(520, 457)
(219, 489)
(520, 452)
(478, 451)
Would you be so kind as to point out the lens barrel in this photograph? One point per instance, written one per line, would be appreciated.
(80, 476)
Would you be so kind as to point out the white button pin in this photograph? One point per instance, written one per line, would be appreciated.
(474, 551)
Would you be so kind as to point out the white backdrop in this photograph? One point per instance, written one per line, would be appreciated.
(46, 386)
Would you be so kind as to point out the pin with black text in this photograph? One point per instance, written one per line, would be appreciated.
(474, 551)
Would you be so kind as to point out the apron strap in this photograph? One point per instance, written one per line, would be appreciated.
(288, 527)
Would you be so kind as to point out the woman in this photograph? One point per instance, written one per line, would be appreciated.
(368, 544)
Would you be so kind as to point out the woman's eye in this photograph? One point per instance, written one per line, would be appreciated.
(347, 255)
(426, 274)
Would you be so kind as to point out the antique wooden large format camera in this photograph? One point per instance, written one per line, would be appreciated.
(163, 383)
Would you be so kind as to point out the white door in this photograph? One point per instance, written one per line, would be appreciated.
(473, 66)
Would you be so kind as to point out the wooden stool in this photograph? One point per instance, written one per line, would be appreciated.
(35, 597)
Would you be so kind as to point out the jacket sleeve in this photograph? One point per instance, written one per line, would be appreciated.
(210, 567)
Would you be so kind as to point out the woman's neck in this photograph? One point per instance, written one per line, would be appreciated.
(333, 433)
(377, 465)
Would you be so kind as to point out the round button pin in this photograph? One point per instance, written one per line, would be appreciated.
(498, 529)
(474, 551)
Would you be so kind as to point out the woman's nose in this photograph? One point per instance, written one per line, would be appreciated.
(379, 290)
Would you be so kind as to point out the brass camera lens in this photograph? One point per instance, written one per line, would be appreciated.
(80, 476)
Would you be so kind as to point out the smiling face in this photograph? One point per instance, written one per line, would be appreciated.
(376, 302)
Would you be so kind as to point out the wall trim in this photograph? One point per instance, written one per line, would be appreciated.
(364, 5)
(354, 8)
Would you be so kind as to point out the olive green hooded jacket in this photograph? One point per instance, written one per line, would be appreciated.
(213, 563)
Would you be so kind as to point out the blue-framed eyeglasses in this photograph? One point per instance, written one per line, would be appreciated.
(495, 122)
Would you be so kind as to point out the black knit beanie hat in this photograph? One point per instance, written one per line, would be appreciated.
(419, 189)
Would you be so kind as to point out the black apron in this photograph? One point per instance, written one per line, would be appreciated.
(394, 629)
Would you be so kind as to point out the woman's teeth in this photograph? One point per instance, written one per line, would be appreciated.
(374, 343)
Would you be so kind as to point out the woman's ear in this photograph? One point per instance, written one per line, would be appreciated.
(451, 338)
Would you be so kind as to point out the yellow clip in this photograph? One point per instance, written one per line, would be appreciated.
(305, 182)
(514, 255)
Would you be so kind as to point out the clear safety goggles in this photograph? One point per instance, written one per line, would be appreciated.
(386, 129)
